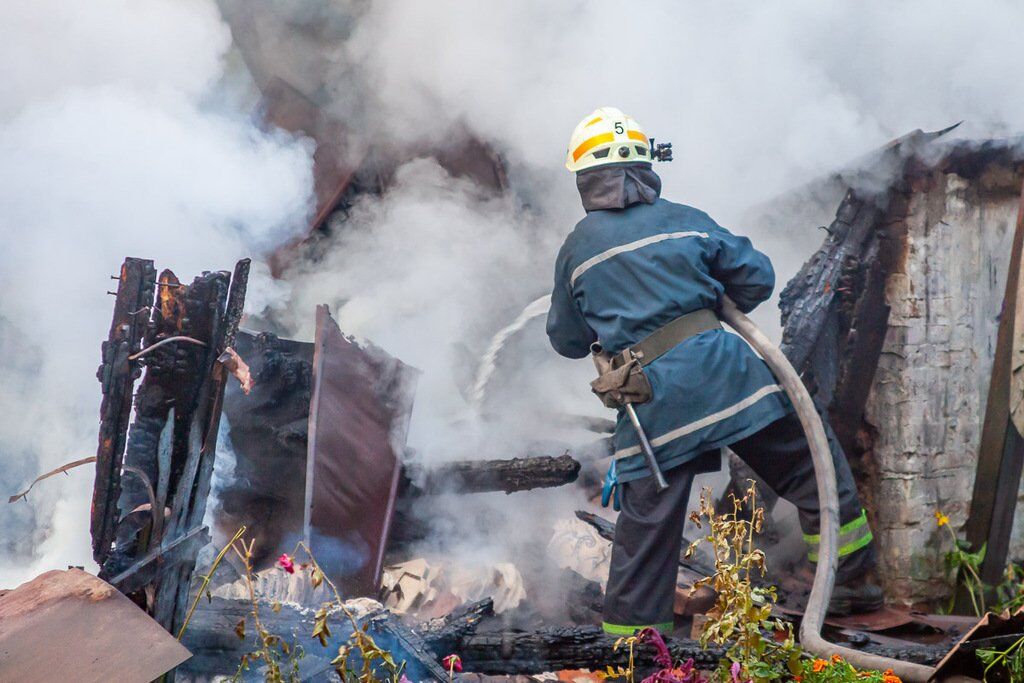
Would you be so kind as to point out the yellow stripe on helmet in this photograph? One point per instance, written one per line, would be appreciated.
(591, 143)
(592, 121)
(637, 135)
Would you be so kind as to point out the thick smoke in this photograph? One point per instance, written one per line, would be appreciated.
(115, 135)
(113, 143)
(756, 99)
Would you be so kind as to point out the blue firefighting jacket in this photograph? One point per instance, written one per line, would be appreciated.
(622, 274)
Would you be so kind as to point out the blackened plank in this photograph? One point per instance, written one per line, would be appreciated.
(117, 377)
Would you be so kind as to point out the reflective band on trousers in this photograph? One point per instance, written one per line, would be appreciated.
(624, 630)
(852, 537)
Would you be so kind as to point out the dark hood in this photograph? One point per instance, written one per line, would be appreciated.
(617, 186)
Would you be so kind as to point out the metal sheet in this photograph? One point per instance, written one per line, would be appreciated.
(71, 626)
(362, 399)
(961, 660)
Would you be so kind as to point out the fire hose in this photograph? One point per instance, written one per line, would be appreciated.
(824, 471)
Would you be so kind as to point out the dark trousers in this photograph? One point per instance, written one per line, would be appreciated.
(648, 533)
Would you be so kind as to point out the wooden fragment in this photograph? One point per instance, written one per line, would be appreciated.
(117, 377)
(475, 476)
(156, 527)
(181, 549)
(208, 294)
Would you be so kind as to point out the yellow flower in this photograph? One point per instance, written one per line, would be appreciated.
(941, 519)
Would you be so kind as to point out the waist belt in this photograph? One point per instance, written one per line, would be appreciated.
(667, 337)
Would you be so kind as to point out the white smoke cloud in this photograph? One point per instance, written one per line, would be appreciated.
(755, 98)
(109, 142)
(112, 144)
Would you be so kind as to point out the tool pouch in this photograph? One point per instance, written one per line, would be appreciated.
(626, 384)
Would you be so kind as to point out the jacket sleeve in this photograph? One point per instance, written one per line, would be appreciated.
(568, 331)
(746, 273)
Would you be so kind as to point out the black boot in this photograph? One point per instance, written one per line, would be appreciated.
(855, 597)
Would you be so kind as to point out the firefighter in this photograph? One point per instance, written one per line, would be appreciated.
(643, 277)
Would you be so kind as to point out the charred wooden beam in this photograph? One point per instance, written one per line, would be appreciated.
(476, 476)
(117, 376)
(267, 430)
(472, 632)
(833, 323)
(588, 647)
(834, 311)
(217, 649)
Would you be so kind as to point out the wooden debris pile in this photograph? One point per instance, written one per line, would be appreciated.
(153, 478)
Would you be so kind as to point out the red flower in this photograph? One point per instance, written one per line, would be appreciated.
(452, 663)
(286, 563)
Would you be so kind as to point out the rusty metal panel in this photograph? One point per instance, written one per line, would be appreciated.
(362, 399)
(71, 626)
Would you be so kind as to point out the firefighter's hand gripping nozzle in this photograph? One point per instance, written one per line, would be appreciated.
(661, 151)
(602, 363)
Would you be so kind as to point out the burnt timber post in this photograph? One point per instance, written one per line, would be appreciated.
(153, 472)
(117, 376)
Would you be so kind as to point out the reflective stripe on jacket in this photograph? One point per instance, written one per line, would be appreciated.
(622, 274)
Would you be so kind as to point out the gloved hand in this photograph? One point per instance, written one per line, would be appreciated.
(610, 490)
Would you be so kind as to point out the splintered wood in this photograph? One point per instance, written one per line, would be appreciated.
(153, 478)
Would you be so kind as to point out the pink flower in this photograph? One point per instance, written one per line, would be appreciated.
(685, 673)
(662, 657)
(735, 671)
(404, 679)
(452, 663)
(286, 563)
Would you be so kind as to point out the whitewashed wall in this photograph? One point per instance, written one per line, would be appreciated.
(928, 395)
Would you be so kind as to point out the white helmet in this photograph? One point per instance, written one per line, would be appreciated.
(606, 137)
